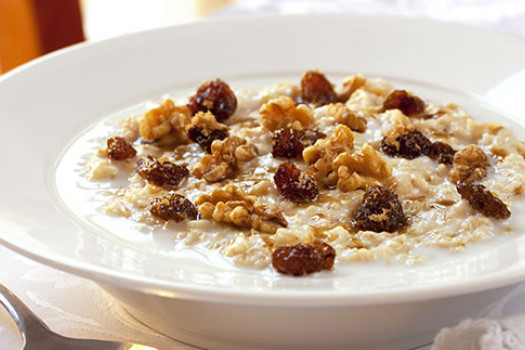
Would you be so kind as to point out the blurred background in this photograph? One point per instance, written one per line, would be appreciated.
(30, 28)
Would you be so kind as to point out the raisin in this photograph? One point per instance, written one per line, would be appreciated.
(482, 200)
(295, 184)
(120, 149)
(289, 143)
(410, 145)
(442, 152)
(161, 174)
(297, 260)
(316, 89)
(173, 207)
(197, 135)
(380, 211)
(214, 96)
(327, 254)
(407, 103)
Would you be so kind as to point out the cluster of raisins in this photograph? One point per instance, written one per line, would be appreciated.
(161, 174)
(295, 184)
(302, 259)
(482, 200)
(214, 96)
(380, 211)
(407, 103)
(290, 143)
(413, 144)
(119, 149)
(173, 207)
(204, 140)
(316, 89)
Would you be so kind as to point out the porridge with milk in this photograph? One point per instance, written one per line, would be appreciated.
(298, 176)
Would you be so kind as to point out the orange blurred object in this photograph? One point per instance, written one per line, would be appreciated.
(30, 28)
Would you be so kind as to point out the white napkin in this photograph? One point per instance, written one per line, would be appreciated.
(484, 334)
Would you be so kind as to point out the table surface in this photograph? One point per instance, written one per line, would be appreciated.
(77, 307)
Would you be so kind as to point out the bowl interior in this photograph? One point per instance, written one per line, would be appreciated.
(48, 103)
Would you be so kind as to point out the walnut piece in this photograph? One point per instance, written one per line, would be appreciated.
(343, 115)
(360, 170)
(204, 129)
(470, 164)
(320, 155)
(224, 160)
(282, 112)
(232, 206)
(351, 84)
(165, 123)
(400, 125)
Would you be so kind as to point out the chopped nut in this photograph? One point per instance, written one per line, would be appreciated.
(400, 125)
(166, 122)
(320, 156)
(345, 116)
(204, 129)
(470, 164)
(482, 200)
(231, 205)
(224, 160)
(360, 170)
(282, 112)
(351, 84)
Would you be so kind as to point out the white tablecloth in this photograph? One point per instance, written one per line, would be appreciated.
(77, 307)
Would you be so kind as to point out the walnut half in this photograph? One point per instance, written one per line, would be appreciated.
(343, 115)
(360, 170)
(282, 112)
(165, 123)
(224, 160)
(321, 155)
(232, 206)
(470, 164)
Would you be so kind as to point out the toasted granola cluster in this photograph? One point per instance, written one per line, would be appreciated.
(310, 171)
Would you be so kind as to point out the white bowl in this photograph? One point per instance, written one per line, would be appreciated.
(196, 297)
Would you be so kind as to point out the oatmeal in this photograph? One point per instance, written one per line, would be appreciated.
(301, 175)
